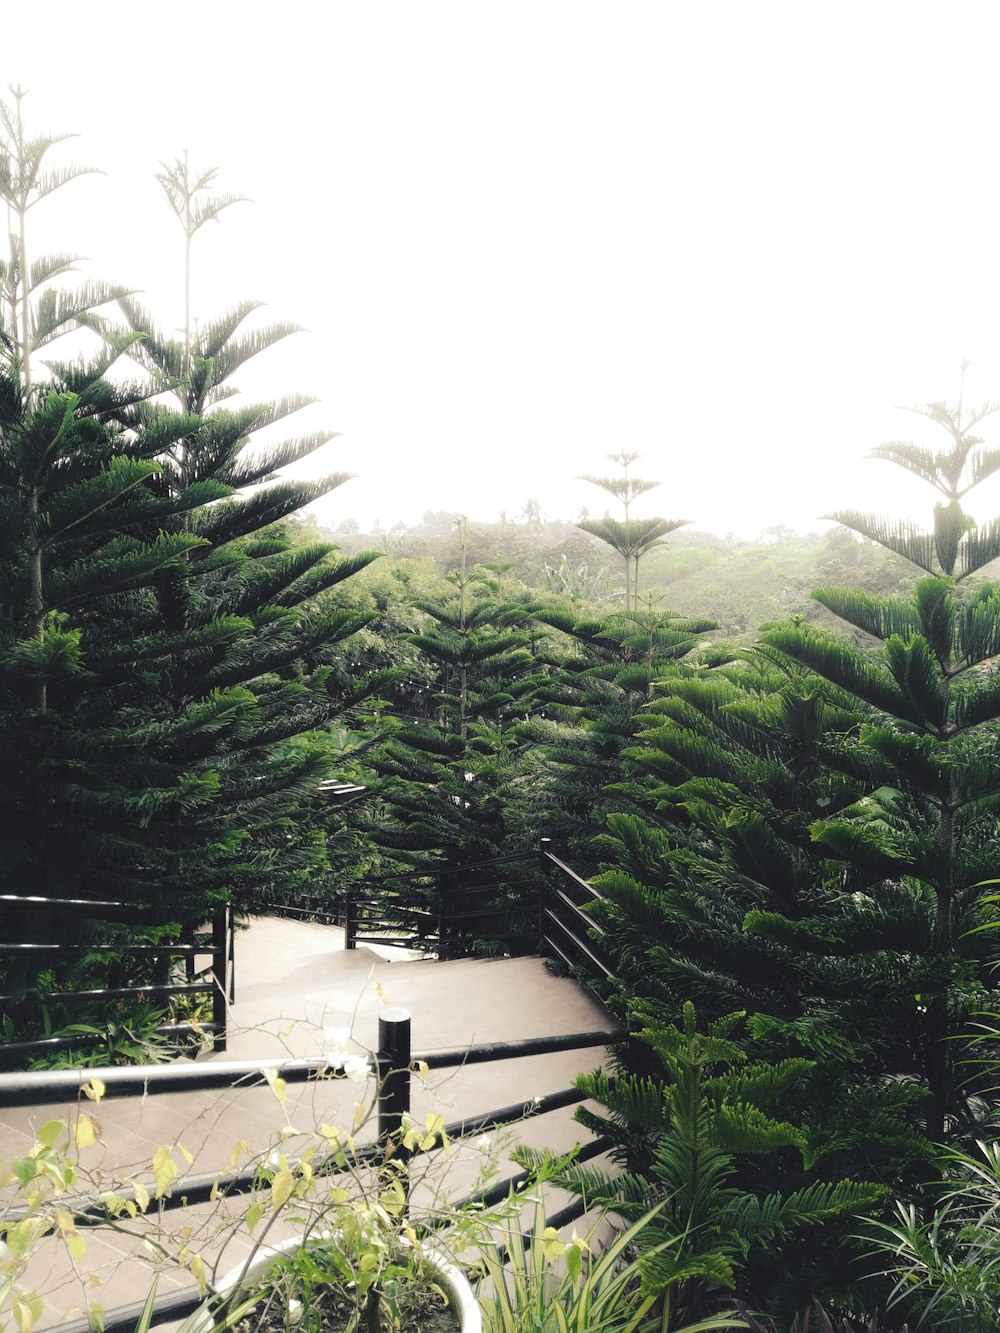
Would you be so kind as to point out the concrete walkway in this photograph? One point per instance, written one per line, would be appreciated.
(297, 992)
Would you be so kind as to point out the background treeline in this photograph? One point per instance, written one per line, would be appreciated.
(741, 583)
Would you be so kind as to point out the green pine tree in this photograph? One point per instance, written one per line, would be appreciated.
(164, 698)
(827, 819)
(631, 537)
(284, 663)
(691, 1135)
(443, 779)
(603, 670)
(929, 691)
(718, 892)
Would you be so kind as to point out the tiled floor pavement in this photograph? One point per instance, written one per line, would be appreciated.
(294, 980)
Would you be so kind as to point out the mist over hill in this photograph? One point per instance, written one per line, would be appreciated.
(740, 582)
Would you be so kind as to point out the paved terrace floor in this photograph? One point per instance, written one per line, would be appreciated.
(294, 981)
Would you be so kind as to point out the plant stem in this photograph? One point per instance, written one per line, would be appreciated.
(373, 1301)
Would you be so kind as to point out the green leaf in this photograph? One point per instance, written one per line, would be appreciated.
(50, 1132)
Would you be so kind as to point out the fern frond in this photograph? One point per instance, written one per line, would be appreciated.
(773, 1216)
(635, 1100)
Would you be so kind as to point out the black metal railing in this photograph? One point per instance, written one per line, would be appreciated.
(212, 940)
(394, 1065)
(530, 902)
(567, 930)
(322, 908)
(527, 903)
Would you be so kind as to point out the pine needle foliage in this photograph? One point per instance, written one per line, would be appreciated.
(686, 1136)
(824, 816)
(444, 776)
(929, 679)
(603, 670)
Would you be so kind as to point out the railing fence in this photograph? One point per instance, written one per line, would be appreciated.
(213, 940)
(529, 902)
(394, 1064)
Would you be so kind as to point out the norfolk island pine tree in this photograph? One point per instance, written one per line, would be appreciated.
(161, 718)
(851, 790)
(824, 830)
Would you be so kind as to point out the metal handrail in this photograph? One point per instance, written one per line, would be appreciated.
(41, 1045)
(394, 1061)
(220, 980)
(515, 1050)
(64, 1085)
(152, 950)
(106, 993)
(85, 904)
(568, 871)
(564, 927)
(511, 858)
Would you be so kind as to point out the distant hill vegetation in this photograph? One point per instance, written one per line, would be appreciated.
(740, 583)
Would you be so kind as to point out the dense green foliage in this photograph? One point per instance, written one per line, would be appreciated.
(696, 1133)
(603, 673)
(817, 844)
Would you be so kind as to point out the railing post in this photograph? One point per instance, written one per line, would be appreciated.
(231, 946)
(444, 899)
(350, 922)
(220, 969)
(393, 1059)
(544, 851)
(187, 937)
(161, 967)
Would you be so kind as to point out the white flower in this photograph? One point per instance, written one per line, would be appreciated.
(335, 1042)
(483, 1143)
(355, 1067)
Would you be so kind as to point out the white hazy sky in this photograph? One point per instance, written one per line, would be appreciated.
(730, 235)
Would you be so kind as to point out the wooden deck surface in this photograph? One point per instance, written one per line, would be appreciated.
(297, 990)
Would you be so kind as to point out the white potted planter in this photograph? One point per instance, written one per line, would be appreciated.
(450, 1277)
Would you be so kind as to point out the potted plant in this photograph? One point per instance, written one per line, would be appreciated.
(323, 1283)
(360, 1261)
(359, 1252)
(348, 1205)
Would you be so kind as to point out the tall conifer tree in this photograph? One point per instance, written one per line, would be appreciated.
(443, 780)
(828, 819)
(931, 690)
(603, 673)
(162, 697)
(631, 537)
